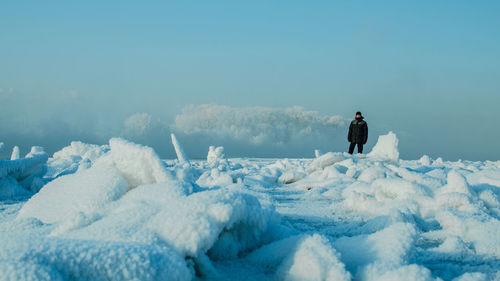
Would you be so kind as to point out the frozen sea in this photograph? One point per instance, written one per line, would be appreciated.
(119, 212)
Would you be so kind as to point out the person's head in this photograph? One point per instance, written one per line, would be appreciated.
(358, 115)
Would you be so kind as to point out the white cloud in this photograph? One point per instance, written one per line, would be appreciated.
(138, 124)
(257, 125)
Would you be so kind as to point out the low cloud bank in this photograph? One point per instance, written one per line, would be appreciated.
(257, 125)
(244, 131)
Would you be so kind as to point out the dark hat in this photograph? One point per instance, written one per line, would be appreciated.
(359, 113)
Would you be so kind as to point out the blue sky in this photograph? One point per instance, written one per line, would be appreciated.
(427, 70)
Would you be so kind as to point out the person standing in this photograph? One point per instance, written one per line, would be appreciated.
(358, 133)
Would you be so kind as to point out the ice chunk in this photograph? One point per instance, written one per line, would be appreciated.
(291, 176)
(23, 173)
(83, 150)
(386, 147)
(211, 220)
(454, 245)
(456, 183)
(21, 168)
(472, 276)
(77, 155)
(317, 153)
(425, 160)
(325, 160)
(273, 254)
(371, 174)
(181, 155)
(481, 231)
(214, 177)
(34, 151)
(410, 272)
(11, 189)
(15, 153)
(207, 226)
(490, 199)
(388, 189)
(85, 192)
(313, 259)
(137, 163)
(387, 248)
(2, 146)
(124, 167)
(489, 176)
(216, 158)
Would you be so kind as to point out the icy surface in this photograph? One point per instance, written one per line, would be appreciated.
(118, 212)
(21, 177)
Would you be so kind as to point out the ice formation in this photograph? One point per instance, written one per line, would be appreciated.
(15, 153)
(118, 212)
(386, 147)
(181, 155)
(20, 177)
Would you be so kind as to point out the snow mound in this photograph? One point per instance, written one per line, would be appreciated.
(137, 163)
(85, 192)
(221, 222)
(77, 155)
(314, 259)
(82, 150)
(120, 212)
(386, 147)
(134, 221)
(384, 250)
(216, 158)
(218, 172)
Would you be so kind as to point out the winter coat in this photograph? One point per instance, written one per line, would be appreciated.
(358, 131)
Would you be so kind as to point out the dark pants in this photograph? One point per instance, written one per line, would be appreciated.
(353, 144)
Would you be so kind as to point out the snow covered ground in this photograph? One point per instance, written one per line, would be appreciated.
(118, 212)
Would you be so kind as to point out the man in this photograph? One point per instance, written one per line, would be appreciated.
(358, 133)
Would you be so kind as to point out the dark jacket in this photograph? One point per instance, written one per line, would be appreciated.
(358, 131)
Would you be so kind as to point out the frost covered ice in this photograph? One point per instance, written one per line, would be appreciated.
(21, 177)
(118, 212)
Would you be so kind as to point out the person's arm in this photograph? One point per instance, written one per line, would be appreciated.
(366, 132)
(349, 135)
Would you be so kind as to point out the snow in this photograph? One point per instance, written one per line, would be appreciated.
(325, 160)
(59, 259)
(85, 192)
(77, 155)
(138, 164)
(119, 212)
(313, 259)
(216, 158)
